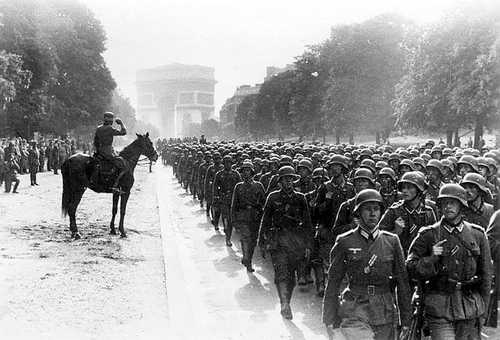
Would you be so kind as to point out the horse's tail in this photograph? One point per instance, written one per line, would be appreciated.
(66, 196)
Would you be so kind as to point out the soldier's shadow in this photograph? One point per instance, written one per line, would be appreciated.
(256, 298)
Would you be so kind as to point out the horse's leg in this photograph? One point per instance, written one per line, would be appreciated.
(116, 197)
(77, 196)
(123, 207)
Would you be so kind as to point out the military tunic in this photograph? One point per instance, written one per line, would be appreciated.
(286, 232)
(374, 265)
(246, 209)
(458, 283)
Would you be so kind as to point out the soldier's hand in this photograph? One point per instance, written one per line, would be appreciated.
(400, 223)
(118, 121)
(438, 249)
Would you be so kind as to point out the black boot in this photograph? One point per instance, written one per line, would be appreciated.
(284, 295)
(246, 260)
(301, 273)
(320, 279)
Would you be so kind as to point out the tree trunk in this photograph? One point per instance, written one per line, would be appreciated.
(351, 138)
(377, 137)
(456, 142)
(449, 137)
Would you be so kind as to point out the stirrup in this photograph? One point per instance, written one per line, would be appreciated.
(117, 190)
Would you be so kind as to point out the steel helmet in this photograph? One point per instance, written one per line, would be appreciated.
(408, 163)
(286, 160)
(364, 173)
(446, 163)
(469, 160)
(404, 153)
(369, 164)
(387, 171)
(247, 164)
(455, 191)
(381, 165)
(491, 162)
(340, 160)
(434, 163)
(305, 163)
(481, 161)
(476, 179)
(420, 161)
(436, 149)
(227, 158)
(257, 160)
(447, 152)
(413, 177)
(394, 156)
(319, 172)
(287, 170)
(365, 196)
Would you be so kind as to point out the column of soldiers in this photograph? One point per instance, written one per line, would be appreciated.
(399, 241)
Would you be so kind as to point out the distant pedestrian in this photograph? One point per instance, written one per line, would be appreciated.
(12, 169)
(33, 162)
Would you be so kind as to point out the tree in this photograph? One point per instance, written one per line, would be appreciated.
(210, 128)
(61, 44)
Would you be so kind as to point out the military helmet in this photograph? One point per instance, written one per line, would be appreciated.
(435, 163)
(227, 158)
(216, 155)
(452, 190)
(257, 160)
(387, 171)
(481, 161)
(447, 152)
(340, 160)
(469, 160)
(319, 172)
(108, 116)
(420, 161)
(287, 170)
(408, 163)
(305, 163)
(247, 164)
(285, 160)
(476, 179)
(404, 154)
(364, 173)
(394, 156)
(446, 163)
(365, 196)
(491, 163)
(381, 164)
(413, 177)
(425, 157)
(436, 149)
(369, 164)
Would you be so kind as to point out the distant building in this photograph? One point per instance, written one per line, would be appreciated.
(228, 110)
(172, 97)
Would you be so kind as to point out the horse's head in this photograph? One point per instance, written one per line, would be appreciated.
(147, 148)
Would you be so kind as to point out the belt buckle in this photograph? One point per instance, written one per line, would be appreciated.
(370, 289)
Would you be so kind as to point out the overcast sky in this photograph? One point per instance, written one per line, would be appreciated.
(238, 38)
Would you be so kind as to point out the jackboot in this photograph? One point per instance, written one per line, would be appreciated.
(320, 279)
(247, 257)
(301, 273)
(283, 294)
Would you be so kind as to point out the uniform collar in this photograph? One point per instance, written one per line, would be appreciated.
(450, 228)
(418, 209)
(366, 234)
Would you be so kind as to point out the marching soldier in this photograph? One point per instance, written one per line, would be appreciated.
(477, 210)
(387, 179)
(453, 258)
(286, 233)
(434, 176)
(405, 217)
(224, 182)
(246, 211)
(373, 262)
(209, 187)
(34, 162)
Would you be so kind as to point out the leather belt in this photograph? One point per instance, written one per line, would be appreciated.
(369, 290)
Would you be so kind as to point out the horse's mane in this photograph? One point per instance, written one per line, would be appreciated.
(129, 149)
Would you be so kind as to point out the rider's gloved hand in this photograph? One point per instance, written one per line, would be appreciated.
(118, 121)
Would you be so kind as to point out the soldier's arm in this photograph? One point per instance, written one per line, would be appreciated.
(235, 202)
(265, 222)
(485, 269)
(493, 233)
(421, 264)
(341, 220)
(216, 186)
(307, 223)
(387, 220)
(403, 286)
(122, 131)
(336, 273)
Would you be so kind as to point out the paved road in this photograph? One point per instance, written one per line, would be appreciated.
(210, 293)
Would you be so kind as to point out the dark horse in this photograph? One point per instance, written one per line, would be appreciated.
(77, 170)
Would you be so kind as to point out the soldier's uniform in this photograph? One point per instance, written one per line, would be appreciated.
(373, 262)
(224, 183)
(286, 232)
(457, 283)
(414, 219)
(246, 211)
(209, 193)
(34, 163)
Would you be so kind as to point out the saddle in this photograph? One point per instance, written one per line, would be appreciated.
(104, 171)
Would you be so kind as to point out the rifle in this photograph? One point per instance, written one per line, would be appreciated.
(417, 321)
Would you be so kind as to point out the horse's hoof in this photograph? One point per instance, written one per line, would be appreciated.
(112, 232)
(76, 236)
(123, 235)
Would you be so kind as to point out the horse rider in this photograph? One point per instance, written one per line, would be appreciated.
(103, 145)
